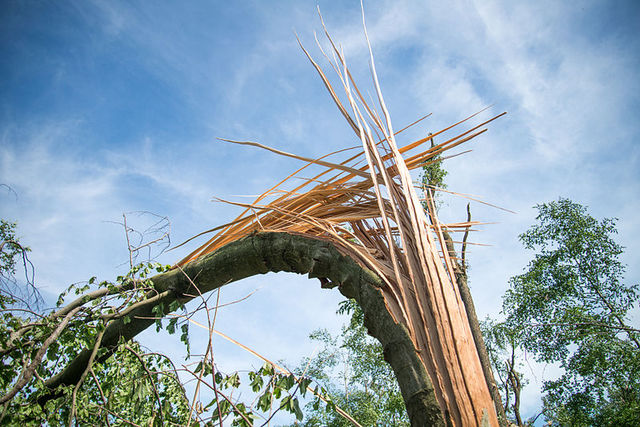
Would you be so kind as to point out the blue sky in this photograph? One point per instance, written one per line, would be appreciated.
(111, 107)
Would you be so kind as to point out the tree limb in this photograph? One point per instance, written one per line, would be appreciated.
(273, 252)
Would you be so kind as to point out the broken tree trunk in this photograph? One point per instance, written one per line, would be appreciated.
(273, 252)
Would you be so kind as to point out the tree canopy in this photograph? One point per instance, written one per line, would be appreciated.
(571, 307)
(352, 370)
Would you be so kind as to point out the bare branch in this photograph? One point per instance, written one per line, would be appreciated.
(464, 239)
(10, 190)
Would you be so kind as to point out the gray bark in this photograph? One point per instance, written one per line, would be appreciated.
(273, 252)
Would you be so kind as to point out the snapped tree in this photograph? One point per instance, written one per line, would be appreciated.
(358, 225)
(351, 365)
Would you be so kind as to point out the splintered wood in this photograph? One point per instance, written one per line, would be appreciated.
(369, 208)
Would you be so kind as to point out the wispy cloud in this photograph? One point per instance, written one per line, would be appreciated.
(102, 145)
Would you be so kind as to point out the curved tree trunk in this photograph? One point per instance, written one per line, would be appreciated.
(272, 252)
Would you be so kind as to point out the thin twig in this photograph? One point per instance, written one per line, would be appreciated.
(104, 399)
(126, 233)
(464, 239)
(96, 347)
(603, 325)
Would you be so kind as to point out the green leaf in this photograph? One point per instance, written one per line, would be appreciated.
(268, 369)
(184, 337)
(171, 326)
(264, 402)
(296, 408)
(277, 392)
(304, 383)
(256, 383)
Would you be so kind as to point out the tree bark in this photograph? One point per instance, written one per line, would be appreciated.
(273, 252)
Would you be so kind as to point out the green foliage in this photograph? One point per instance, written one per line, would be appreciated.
(10, 251)
(353, 373)
(140, 388)
(571, 307)
(274, 392)
(433, 175)
(130, 385)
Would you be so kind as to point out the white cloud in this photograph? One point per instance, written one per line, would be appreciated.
(570, 132)
(563, 84)
(387, 24)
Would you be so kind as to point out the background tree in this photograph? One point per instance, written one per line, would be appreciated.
(432, 178)
(352, 370)
(503, 348)
(572, 308)
(12, 255)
